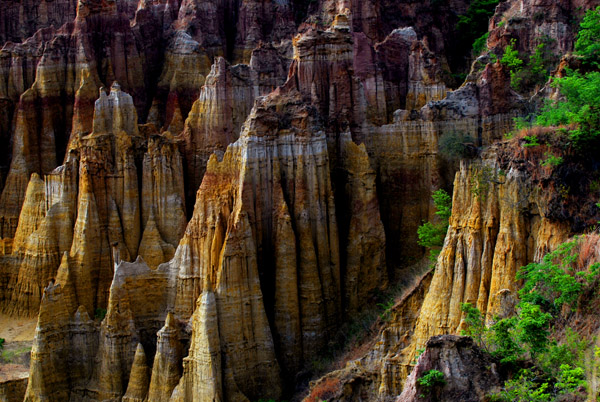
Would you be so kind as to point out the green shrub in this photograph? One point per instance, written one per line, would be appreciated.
(531, 141)
(581, 107)
(431, 379)
(588, 38)
(480, 44)
(504, 341)
(474, 325)
(529, 337)
(474, 23)
(535, 71)
(551, 282)
(430, 234)
(533, 328)
(551, 160)
(525, 388)
(571, 351)
(570, 379)
(2, 343)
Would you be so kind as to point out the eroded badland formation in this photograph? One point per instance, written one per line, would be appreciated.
(197, 195)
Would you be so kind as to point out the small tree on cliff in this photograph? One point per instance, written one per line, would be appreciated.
(431, 235)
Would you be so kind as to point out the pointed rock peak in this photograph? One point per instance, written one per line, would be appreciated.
(115, 112)
(177, 123)
(63, 274)
(86, 8)
(81, 314)
(219, 66)
(170, 321)
(36, 178)
(140, 355)
(206, 286)
(151, 223)
(32, 212)
(139, 380)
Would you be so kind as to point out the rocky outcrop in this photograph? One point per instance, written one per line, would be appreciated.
(229, 240)
(365, 267)
(216, 117)
(552, 24)
(469, 373)
(499, 223)
(13, 390)
(368, 376)
(60, 101)
(166, 369)
(92, 203)
(108, 362)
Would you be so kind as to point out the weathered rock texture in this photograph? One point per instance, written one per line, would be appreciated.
(13, 390)
(304, 138)
(91, 204)
(469, 373)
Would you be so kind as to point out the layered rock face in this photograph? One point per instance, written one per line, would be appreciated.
(91, 204)
(308, 168)
(261, 251)
(273, 241)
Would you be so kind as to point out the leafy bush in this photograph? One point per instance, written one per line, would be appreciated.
(533, 327)
(581, 107)
(431, 379)
(548, 286)
(588, 38)
(551, 282)
(531, 141)
(474, 325)
(474, 22)
(570, 379)
(2, 343)
(432, 235)
(551, 160)
(480, 44)
(524, 388)
(581, 91)
(537, 69)
(571, 350)
(504, 341)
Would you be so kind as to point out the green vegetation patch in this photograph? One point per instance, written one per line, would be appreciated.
(431, 235)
